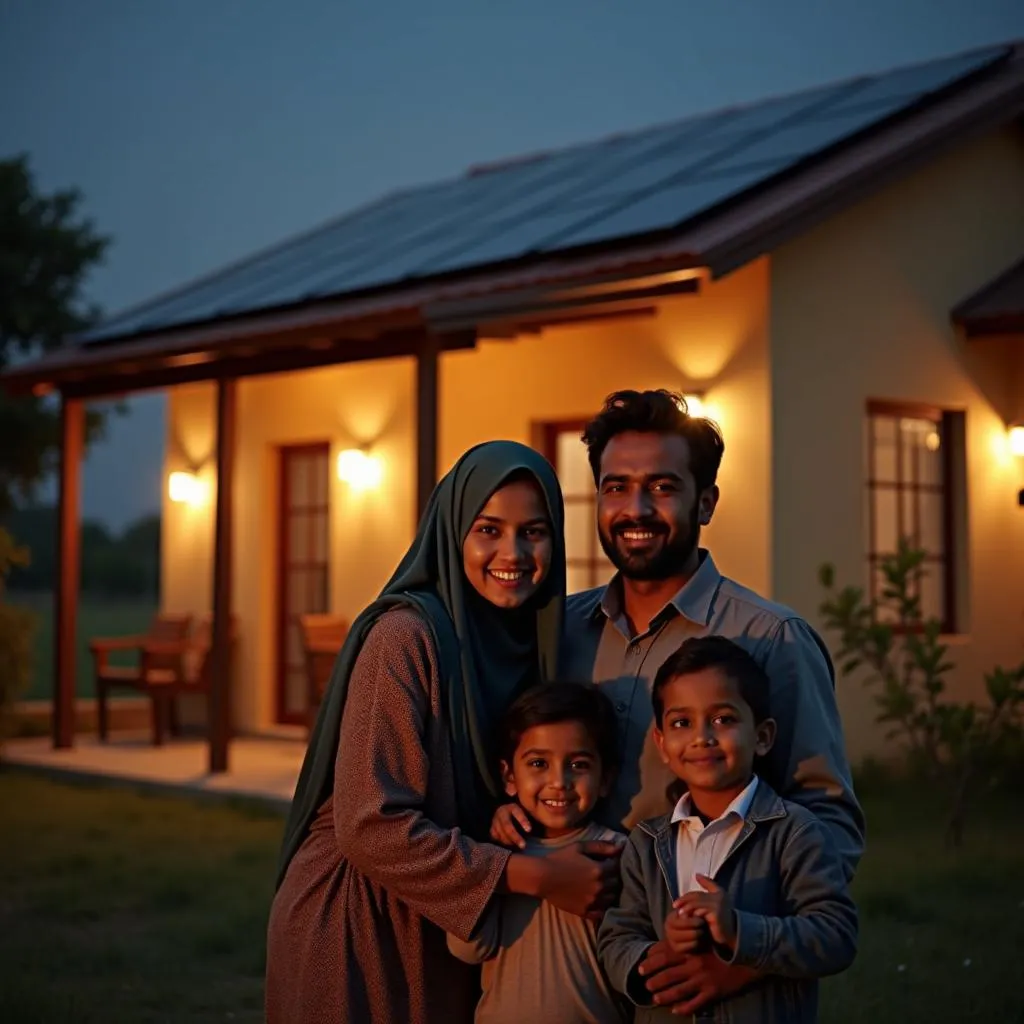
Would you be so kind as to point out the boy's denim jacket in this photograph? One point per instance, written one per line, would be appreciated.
(796, 920)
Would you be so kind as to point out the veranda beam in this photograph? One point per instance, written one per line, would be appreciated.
(221, 660)
(427, 359)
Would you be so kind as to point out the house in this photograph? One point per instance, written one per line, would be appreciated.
(837, 275)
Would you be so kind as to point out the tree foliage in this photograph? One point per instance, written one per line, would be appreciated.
(125, 565)
(47, 249)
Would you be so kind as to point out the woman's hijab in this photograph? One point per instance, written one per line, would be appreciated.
(486, 655)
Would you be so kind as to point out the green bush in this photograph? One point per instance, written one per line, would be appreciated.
(957, 744)
(17, 627)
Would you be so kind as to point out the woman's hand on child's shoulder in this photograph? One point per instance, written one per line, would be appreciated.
(508, 824)
(583, 878)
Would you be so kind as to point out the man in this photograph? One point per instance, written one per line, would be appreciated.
(656, 468)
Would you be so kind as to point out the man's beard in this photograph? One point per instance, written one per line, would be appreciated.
(662, 564)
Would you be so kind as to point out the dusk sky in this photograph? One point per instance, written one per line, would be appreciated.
(202, 131)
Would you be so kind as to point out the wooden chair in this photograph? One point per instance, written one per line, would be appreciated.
(322, 637)
(196, 678)
(160, 661)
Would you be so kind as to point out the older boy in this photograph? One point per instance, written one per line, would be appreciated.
(734, 867)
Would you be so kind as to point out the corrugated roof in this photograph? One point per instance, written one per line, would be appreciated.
(998, 307)
(612, 191)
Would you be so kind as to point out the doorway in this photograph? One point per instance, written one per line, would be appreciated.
(303, 565)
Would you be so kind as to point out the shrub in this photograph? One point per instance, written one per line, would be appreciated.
(957, 743)
(17, 627)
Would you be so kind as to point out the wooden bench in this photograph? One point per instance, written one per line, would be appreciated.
(322, 637)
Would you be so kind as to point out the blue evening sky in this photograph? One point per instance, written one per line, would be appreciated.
(200, 131)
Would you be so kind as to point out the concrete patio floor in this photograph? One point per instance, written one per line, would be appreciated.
(261, 768)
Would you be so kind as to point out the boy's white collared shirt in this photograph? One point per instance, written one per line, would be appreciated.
(700, 849)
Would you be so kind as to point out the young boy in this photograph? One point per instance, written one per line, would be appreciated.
(557, 750)
(734, 871)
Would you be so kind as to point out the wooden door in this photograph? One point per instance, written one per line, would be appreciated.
(303, 565)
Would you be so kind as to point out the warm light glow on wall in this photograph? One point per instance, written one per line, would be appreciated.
(1015, 438)
(186, 488)
(698, 405)
(359, 470)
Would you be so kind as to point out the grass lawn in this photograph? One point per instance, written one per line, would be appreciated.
(118, 907)
(941, 931)
(96, 617)
(122, 908)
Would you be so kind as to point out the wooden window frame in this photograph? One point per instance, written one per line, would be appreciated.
(945, 419)
(546, 434)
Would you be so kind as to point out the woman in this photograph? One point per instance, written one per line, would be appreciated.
(383, 850)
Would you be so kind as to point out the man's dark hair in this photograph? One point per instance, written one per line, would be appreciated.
(550, 703)
(656, 412)
(703, 652)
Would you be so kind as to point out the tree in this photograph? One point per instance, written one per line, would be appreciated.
(126, 565)
(35, 526)
(140, 543)
(46, 251)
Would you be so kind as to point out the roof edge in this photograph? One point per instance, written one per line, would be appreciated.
(968, 308)
(360, 320)
(796, 202)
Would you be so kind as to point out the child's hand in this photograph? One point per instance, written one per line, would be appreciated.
(714, 906)
(508, 820)
(684, 931)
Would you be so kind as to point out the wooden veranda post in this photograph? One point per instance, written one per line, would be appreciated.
(427, 359)
(69, 504)
(220, 654)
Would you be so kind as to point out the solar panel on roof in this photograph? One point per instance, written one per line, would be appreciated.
(627, 185)
(876, 110)
(649, 173)
(512, 239)
(446, 217)
(802, 139)
(917, 81)
(666, 207)
(768, 115)
(470, 239)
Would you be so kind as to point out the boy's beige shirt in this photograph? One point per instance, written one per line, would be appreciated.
(540, 963)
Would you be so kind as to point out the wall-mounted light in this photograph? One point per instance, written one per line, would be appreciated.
(695, 404)
(1015, 437)
(186, 488)
(359, 469)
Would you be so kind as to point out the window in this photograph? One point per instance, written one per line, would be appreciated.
(586, 563)
(912, 465)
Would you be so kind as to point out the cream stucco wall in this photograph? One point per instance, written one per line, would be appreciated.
(860, 309)
(344, 406)
(715, 342)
